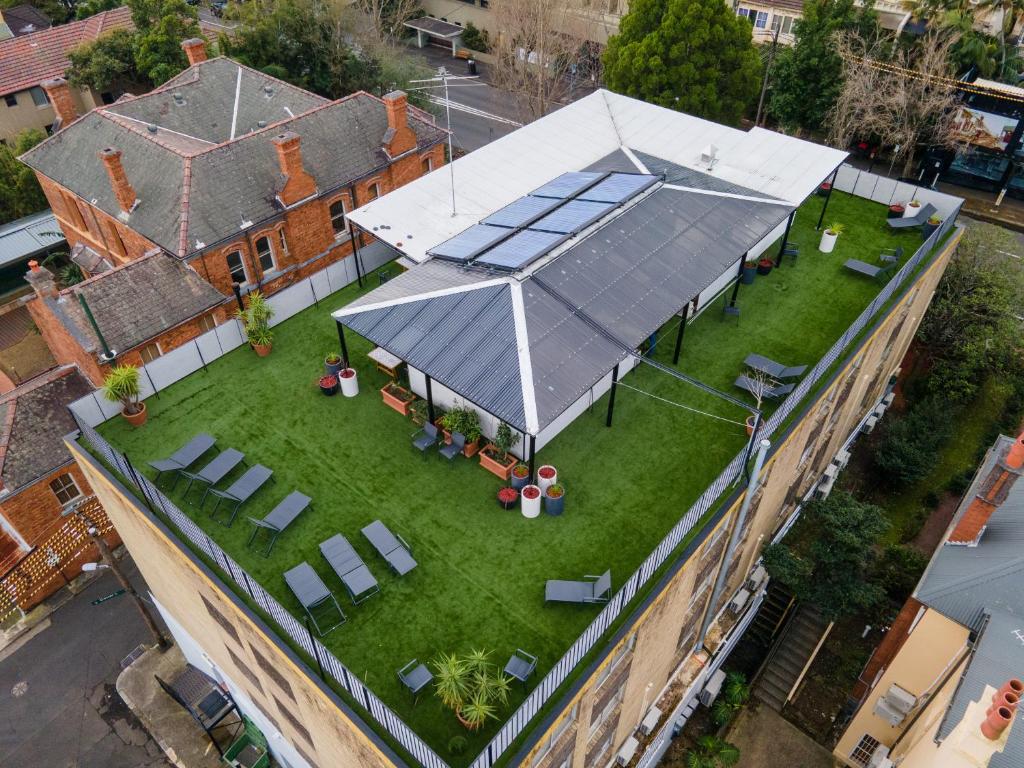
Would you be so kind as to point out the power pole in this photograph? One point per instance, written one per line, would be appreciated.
(767, 74)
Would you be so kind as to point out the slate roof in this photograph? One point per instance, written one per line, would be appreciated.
(207, 169)
(28, 60)
(28, 236)
(33, 421)
(24, 19)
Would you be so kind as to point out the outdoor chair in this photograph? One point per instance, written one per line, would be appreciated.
(792, 250)
(772, 368)
(279, 518)
(597, 590)
(311, 592)
(243, 489)
(454, 448)
(415, 677)
(730, 310)
(199, 695)
(863, 268)
(184, 457)
(772, 393)
(215, 471)
(391, 547)
(891, 255)
(913, 221)
(521, 665)
(425, 438)
(351, 569)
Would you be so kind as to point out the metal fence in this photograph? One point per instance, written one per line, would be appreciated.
(295, 630)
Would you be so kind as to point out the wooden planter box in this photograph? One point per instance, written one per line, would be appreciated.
(392, 401)
(504, 471)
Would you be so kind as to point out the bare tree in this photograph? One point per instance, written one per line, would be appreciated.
(383, 21)
(905, 97)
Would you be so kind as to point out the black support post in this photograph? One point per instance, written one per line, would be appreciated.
(785, 239)
(679, 335)
(736, 287)
(533, 456)
(430, 400)
(237, 288)
(828, 195)
(355, 253)
(611, 395)
(344, 347)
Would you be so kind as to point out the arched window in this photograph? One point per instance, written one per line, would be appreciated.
(338, 221)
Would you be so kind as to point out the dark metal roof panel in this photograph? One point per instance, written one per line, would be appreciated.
(690, 177)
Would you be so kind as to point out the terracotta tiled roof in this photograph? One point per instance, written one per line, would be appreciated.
(28, 60)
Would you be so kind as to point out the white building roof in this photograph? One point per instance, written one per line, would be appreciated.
(418, 216)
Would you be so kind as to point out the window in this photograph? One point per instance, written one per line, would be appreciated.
(428, 164)
(556, 734)
(64, 488)
(115, 239)
(865, 748)
(283, 241)
(236, 267)
(207, 323)
(620, 654)
(372, 191)
(149, 353)
(609, 708)
(39, 96)
(11, 100)
(338, 221)
(761, 21)
(265, 253)
(782, 24)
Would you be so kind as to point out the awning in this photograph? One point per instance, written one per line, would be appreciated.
(435, 27)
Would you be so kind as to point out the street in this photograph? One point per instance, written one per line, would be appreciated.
(58, 706)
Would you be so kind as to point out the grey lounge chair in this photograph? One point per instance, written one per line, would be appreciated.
(279, 518)
(521, 665)
(891, 255)
(415, 677)
(597, 590)
(184, 457)
(454, 448)
(215, 471)
(390, 546)
(773, 393)
(350, 568)
(913, 221)
(243, 489)
(425, 438)
(773, 369)
(311, 592)
(863, 268)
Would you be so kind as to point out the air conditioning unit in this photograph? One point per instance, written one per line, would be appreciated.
(739, 600)
(831, 471)
(650, 721)
(869, 424)
(842, 459)
(880, 758)
(712, 688)
(887, 400)
(879, 410)
(756, 578)
(825, 488)
(628, 750)
(895, 705)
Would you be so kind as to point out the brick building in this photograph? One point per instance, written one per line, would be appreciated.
(232, 175)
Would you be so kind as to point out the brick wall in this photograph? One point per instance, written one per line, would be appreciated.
(63, 346)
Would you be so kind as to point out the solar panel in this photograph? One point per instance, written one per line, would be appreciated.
(567, 185)
(520, 250)
(469, 242)
(518, 213)
(574, 216)
(618, 187)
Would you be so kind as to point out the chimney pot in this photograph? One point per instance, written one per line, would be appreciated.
(1006, 699)
(298, 184)
(195, 50)
(59, 94)
(33, 265)
(399, 138)
(1015, 457)
(123, 190)
(42, 281)
(994, 725)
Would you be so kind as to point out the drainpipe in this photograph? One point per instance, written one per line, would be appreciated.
(108, 355)
(737, 529)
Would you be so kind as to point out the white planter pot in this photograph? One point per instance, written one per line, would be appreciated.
(828, 241)
(911, 210)
(349, 385)
(544, 482)
(530, 507)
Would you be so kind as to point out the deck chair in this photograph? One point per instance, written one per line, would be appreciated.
(184, 457)
(215, 471)
(597, 590)
(454, 448)
(425, 438)
(279, 518)
(415, 676)
(863, 268)
(746, 383)
(891, 255)
(391, 547)
(311, 592)
(243, 489)
(346, 562)
(913, 221)
(772, 368)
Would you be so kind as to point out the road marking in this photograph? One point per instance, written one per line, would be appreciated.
(440, 101)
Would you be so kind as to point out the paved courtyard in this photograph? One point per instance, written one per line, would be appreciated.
(767, 740)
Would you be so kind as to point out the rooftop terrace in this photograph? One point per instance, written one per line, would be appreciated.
(481, 573)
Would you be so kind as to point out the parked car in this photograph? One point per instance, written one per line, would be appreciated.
(217, 7)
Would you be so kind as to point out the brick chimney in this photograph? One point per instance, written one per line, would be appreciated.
(298, 185)
(41, 280)
(399, 137)
(993, 492)
(195, 49)
(59, 93)
(123, 190)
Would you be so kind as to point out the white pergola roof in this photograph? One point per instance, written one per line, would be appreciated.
(418, 216)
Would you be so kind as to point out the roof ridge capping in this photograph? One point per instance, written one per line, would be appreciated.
(992, 492)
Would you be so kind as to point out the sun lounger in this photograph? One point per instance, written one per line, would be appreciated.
(311, 592)
(771, 393)
(863, 268)
(215, 471)
(184, 457)
(243, 489)
(597, 590)
(913, 221)
(391, 547)
(773, 369)
(351, 569)
(280, 517)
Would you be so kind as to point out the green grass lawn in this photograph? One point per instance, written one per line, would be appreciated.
(481, 569)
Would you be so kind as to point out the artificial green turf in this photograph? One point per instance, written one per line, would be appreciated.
(481, 570)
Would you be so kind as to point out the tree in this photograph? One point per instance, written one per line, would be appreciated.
(385, 19)
(57, 11)
(20, 193)
(87, 8)
(696, 56)
(826, 560)
(731, 699)
(712, 752)
(809, 77)
(107, 63)
(160, 27)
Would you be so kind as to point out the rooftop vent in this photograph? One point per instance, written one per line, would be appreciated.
(261, 124)
(151, 128)
(709, 155)
(268, 91)
(178, 98)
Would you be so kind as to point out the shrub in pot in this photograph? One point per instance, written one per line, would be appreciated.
(472, 686)
(930, 226)
(824, 188)
(333, 363)
(520, 476)
(507, 497)
(531, 500)
(349, 382)
(329, 384)
(466, 422)
(829, 237)
(913, 208)
(895, 211)
(546, 475)
(418, 412)
(495, 456)
(764, 266)
(749, 272)
(397, 397)
(554, 499)
(121, 385)
(256, 322)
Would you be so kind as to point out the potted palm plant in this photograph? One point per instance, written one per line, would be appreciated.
(554, 499)
(829, 237)
(471, 686)
(332, 363)
(930, 226)
(495, 456)
(913, 208)
(121, 385)
(520, 476)
(256, 321)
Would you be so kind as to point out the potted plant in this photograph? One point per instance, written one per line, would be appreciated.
(895, 211)
(531, 500)
(554, 499)
(930, 226)
(507, 497)
(829, 237)
(256, 322)
(546, 475)
(495, 456)
(466, 422)
(472, 686)
(329, 384)
(913, 208)
(397, 397)
(349, 382)
(332, 363)
(121, 385)
(758, 384)
(520, 476)
(749, 272)
(824, 188)
(764, 265)
(418, 412)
